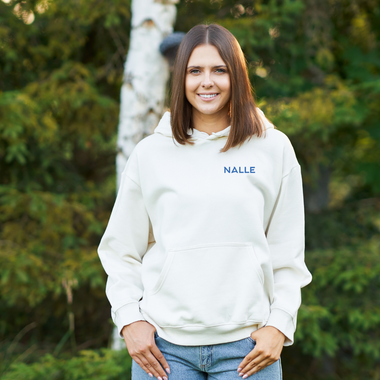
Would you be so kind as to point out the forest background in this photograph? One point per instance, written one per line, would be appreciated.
(315, 67)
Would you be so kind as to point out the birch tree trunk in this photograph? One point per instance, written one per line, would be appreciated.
(146, 73)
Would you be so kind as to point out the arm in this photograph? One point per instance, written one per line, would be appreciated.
(286, 239)
(121, 250)
(285, 235)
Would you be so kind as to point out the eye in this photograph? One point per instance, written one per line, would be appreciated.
(193, 71)
(221, 70)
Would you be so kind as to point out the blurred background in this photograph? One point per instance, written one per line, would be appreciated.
(315, 67)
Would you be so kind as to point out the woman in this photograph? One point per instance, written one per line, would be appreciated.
(204, 249)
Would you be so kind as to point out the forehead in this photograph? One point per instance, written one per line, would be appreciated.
(205, 55)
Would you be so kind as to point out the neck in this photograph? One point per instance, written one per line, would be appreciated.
(210, 123)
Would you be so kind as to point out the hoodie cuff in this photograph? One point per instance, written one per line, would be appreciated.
(282, 321)
(126, 315)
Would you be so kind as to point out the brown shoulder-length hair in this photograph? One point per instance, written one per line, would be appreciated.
(244, 118)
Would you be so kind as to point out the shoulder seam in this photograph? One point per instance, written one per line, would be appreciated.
(295, 166)
(132, 180)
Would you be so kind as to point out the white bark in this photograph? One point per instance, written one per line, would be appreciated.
(146, 73)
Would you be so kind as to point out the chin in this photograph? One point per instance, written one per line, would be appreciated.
(209, 111)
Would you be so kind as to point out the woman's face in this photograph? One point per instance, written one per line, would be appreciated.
(207, 86)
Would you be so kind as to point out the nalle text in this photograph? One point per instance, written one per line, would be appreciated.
(245, 169)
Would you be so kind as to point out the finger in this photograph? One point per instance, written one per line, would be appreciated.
(251, 364)
(255, 366)
(258, 368)
(251, 356)
(142, 365)
(160, 357)
(145, 362)
(155, 367)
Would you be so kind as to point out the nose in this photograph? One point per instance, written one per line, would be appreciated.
(207, 82)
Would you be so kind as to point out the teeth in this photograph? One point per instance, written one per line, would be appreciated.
(208, 96)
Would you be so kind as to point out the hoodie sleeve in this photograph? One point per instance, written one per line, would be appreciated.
(122, 247)
(286, 239)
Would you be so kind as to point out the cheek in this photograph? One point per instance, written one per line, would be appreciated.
(225, 84)
(191, 82)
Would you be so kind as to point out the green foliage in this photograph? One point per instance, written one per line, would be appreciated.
(64, 226)
(345, 314)
(339, 318)
(60, 78)
(103, 364)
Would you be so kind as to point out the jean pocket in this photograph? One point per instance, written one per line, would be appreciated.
(251, 340)
(156, 335)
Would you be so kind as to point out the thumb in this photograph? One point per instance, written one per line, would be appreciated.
(256, 334)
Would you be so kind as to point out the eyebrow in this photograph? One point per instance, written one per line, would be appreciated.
(201, 67)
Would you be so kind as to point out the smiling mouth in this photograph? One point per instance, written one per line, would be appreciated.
(208, 96)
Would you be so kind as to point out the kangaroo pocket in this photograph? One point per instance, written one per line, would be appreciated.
(208, 285)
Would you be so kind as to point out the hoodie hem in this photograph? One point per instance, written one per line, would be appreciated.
(199, 335)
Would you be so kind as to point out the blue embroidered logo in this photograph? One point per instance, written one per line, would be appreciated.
(233, 169)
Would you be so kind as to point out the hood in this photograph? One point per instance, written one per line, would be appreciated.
(164, 128)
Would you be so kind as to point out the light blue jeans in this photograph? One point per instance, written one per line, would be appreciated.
(211, 362)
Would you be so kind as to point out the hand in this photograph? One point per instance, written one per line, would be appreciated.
(269, 344)
(139, 338)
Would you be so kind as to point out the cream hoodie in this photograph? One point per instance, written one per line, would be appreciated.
(207, 246)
